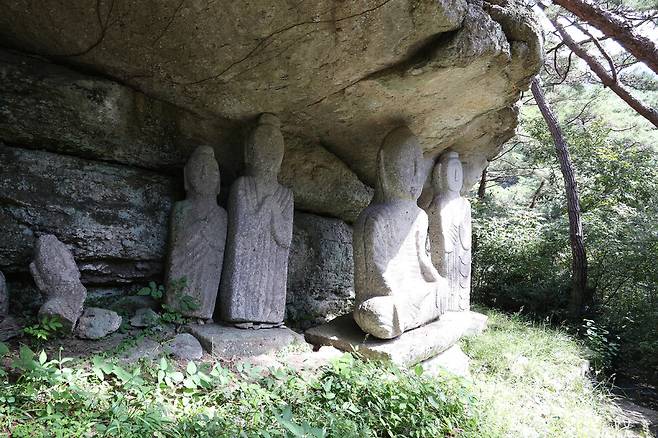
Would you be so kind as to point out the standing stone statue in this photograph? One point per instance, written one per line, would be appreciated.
(56, 275)
(260, 214)
(397, 288)
(197, 239)
(450, 230)
(4, 298)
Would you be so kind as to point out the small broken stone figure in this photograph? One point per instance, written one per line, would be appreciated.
(57, 276)
(397, 287)
(450, 230)
(260, 215)
(4, 298)
(197, 239)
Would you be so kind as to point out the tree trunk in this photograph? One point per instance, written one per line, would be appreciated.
(535, 196)
(483, 183)
(647, 112)
(616, 28)
(579, 258)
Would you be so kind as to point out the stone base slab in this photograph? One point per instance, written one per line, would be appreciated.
(227, 341)
(408, 349)
(453, 360)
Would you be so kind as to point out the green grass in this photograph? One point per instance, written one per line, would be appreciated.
(530, 379)
(527, 382)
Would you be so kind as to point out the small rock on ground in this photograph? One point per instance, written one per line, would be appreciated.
(145, 348)
(96, 323)
(185, 346)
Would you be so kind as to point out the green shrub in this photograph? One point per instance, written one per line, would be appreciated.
(351, 398)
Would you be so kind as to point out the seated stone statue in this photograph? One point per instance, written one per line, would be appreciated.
(197, 239)
(260, 215)
(58, 278)
(450, 230)
(397, 288)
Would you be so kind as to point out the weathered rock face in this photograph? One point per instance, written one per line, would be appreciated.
(321, 270)
(321, 182)
(4, 298)
(46, 106)
(114, 217)
(337, 73)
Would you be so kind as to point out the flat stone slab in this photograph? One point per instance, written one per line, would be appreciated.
(453, 360)
(227, 341)
(409, 348)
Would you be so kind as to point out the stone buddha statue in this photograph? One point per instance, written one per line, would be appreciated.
(260, 215)
(197, 239)
(397, 287)
(58, 278)
(450, 230)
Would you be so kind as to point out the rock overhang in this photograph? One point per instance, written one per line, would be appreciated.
(338, 74)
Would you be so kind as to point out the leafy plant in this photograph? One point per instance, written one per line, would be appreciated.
(45, 329)
(603, 345)
(153, 290)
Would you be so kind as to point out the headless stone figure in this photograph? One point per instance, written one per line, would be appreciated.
(58, 278)
(397, 288)
(450, 230)
(197, 239)
(260, 212)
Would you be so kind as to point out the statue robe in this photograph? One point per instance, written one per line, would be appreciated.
(197, 240)
(450, 238)
(253, 285)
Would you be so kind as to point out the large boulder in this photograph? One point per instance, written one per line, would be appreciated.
(113, 217)
(340, 74)
(320, 272)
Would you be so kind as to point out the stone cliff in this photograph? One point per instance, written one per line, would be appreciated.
(101, 103)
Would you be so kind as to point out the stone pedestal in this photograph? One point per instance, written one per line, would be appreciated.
(408, 349)
(225, 341)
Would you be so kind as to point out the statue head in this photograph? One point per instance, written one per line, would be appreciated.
(201, 173)
(448, 174)
(400, 166)
(53, 263)
(263, 151)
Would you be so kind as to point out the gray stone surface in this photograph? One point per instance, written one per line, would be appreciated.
(224, 341)
(145, 348)
(321, 182)
(453, 360)
(50, 107)
(97, 323)
(4, 297)
(450, 230)
(56, 275)
(185, 347)
(320, 271)
(408, 349)
(131, 304)
(397, 287)
(260, 217)
(338, 73)
(144, 317)
(114, 218)
(197, 239)
(9, 328)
